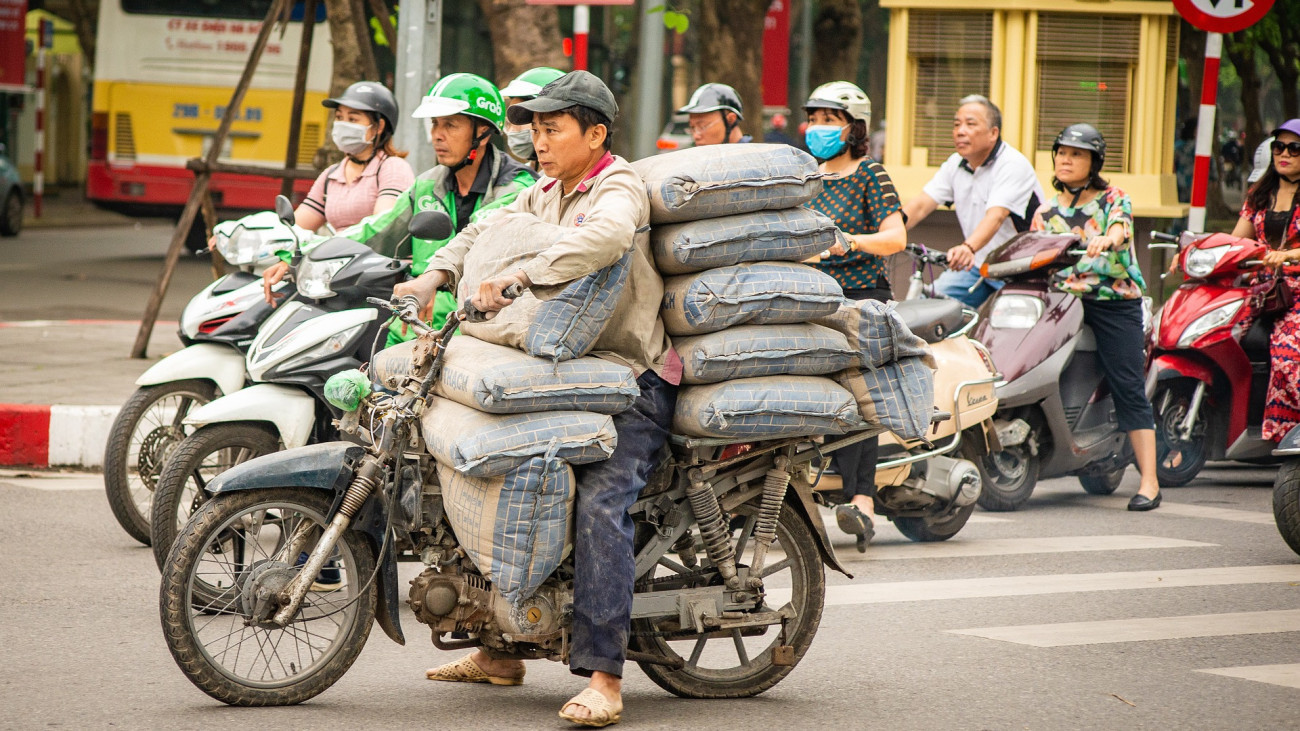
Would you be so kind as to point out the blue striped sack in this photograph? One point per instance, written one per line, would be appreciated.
(765, 408)
(789, 235)
(876, 330)
(898, 395)
(724, 180)
(747, 351)
(764, 293)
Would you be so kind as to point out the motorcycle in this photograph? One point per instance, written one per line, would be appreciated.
(921, 485)
(1209, 366)
(1055, 415)
(758, 590)
(216, 326)
(327, 328)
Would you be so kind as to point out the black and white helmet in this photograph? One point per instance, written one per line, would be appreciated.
(1084, 137)
(714, 98)
(368, 96)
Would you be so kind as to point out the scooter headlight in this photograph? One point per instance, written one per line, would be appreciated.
(314, 277)
(1200, 262)
(1016, 312)
(1217, 317)
(328, 349)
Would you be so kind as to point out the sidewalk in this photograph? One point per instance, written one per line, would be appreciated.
(68, 208)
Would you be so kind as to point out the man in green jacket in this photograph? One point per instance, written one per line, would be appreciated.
(471, 180)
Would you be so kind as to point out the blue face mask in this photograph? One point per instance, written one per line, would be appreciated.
(823, 140)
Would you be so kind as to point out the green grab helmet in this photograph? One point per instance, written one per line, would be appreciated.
(529, 84)
(466, 94)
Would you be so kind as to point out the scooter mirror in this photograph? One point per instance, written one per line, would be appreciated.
(430, 225)
(284, 210)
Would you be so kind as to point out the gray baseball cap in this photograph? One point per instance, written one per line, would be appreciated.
(576, 88)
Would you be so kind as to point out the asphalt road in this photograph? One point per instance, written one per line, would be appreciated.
(995, 629)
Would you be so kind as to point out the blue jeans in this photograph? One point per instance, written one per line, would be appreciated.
(957, 285)
(604, 564)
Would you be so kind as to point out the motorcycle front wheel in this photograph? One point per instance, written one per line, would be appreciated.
(201, 456)
(146, 430)
(928, 530)
(1171, 403)
(1104, 483)
(239, 543)
(738, 663)
(1286, 503)
(1009, 478)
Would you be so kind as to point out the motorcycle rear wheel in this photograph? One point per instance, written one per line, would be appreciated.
(740, 663)
(1286, 503)
(206, 639)
(928, 530)
(146, 430)
(1104, 483)
(201, 456)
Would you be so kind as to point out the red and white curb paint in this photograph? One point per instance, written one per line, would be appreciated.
(54, 436)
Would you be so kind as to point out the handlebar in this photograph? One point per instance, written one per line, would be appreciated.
(1161, 236)
(926, 256)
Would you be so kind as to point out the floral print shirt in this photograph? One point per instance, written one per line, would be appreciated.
(858, 203)
(1115, 274)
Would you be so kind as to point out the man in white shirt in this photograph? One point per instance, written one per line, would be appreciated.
(992, 187)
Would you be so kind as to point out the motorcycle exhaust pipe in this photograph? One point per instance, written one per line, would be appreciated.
(953, 482)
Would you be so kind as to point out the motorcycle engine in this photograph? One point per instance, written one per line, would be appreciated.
(940, 480)
(461, 602)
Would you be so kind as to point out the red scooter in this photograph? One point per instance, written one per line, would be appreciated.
(1208, 374)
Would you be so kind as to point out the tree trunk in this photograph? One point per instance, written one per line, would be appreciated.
(837, 42)
(349, 64)
(730, 34)
(523, 36)
(1241, 52)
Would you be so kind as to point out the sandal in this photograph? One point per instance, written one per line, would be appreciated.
(853, 521)
(465, 670)
(603, 713)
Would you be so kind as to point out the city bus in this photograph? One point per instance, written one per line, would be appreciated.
(164, 74)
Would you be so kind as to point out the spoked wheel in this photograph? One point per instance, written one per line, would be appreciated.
(144, 434)
(201, 456)
(1009, 478)
(1178, 460)
(741, 662)
(927, 530)
(241, 544)
(1104, 483)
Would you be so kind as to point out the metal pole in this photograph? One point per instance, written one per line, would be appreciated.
(299, 94)
(419, 48)
(1205, 133)
(650, 89)
(581, 29)
(38, 177)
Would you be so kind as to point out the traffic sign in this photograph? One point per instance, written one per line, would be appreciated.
(1222, 16)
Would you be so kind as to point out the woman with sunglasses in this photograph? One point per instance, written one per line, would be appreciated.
(1271, 215)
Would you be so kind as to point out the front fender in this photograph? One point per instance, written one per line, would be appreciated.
(221, 364)
(292, 412)
(800, 497)
(327, 466)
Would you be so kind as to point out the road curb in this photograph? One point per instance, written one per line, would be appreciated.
(35, 435)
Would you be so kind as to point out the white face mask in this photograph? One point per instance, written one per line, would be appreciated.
(350, 137)
(521, 144)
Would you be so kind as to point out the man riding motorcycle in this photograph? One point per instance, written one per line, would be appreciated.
(604, 201)
(715, 114)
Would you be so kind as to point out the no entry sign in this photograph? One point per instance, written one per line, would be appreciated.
(1223, 16)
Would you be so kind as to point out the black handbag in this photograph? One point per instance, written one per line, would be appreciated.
(1272, 297)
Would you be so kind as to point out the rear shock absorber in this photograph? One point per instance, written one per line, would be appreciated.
(769, 512)
(713, 529)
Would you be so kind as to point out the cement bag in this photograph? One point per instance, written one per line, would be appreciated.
(487, 445)
(766, 293)
(513, 526)
(724, 180)
(501, 380)
(899, 395)
(765, 408)
(875, 330)
(790, 235)
(748, 351)
(560, 322)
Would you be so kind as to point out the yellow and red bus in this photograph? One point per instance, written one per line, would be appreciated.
(164, 73)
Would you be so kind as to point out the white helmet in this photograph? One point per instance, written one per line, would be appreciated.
(1263, 156)
(843, 96)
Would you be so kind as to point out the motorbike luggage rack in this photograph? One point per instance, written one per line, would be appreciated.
(803, 445)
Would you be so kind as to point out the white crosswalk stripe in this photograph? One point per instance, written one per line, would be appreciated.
(1142, 629)
(1287, 675)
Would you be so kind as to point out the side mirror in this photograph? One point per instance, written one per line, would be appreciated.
(284, 211)
(431, 225)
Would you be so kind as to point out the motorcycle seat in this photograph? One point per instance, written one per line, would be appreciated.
(931, 319)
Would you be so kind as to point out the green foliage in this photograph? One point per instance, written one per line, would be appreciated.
(674, 20)
(381, 40)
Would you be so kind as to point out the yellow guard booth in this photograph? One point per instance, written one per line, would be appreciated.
(1046, 64)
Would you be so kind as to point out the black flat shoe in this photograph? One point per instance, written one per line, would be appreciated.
(1142, 502)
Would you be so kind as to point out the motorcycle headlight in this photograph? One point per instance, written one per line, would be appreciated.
(327, 349)
(1016, 312)
(314, 276)
(1217, 317)
(1200, 262)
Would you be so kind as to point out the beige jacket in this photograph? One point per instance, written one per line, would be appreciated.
(609, 214)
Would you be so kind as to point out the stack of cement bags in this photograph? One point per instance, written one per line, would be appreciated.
(518, 404)
(766, 351)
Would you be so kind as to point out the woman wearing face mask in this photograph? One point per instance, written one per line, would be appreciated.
(525, 86)
(1109, 282)
(1271, 215)
(859, 196)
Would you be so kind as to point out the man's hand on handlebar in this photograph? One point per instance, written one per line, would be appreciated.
(271, 277)
(491, 295)
(423, 288)
(961, 257)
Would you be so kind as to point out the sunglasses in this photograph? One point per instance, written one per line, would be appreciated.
(1291, 147)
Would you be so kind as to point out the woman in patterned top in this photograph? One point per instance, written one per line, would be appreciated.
(1110, 284)
(859, 196)
(1271, 215)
